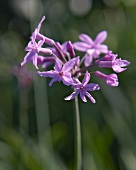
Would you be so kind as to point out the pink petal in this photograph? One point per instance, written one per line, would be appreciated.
(90, 97)
(73, 95)
(47, 73)
(86, 79)
(58, 65)
(40, 24)
(100, 37)
(102, 48)
(85, 38)
(67, 79)
(92, 87)
(81, 46)
(35, 60)
(82, 95)
(88, 59)
(70, 64)
(53, 80)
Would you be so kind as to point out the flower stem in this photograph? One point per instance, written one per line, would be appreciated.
(78, 133)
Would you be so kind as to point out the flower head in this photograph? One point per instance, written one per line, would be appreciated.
(61, 72)
(92, 48)
(83, 88)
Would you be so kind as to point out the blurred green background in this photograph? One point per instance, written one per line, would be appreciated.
(37, 127)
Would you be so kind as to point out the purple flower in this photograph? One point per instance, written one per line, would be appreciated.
(92, 48)
(34, 49)
(82, 88)
(110, 61)
(36, 34)
(61, 72)
(111, 79)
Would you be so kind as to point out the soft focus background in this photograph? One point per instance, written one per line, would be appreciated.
(37, 127)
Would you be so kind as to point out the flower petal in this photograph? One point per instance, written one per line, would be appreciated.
(82, 95)
(35, 60)
(81, 46)
(86, 79)
(112, 80)
(100, 37)
(67, 79)
(92, 87)
(57, 78)
(73, 95)
(58, 65)
(88, 60)
(90, 97)
(85, 38)
(40, 24)
(102, 48)
(40, 43)
(50, 73)
(28, 57)
(118, 69)
(70, 64)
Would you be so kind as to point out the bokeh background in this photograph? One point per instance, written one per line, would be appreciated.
(37, 127)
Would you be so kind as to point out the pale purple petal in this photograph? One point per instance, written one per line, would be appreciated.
(40, 43)
(46, 51)
(57, 78)
(82, 95)
(35, 60)
(112, 80)
(92, 87)
(102, 48)
(100, 37)
(90, 97)
(118, 69)
(67, 79)
(86, 79)
(70, 64)
(73, 95)
(40, 24)
(123, 63)
(85, 38)
(50, 73)
(88, 59)
(28, 57)
(81, 46)
(58, 65)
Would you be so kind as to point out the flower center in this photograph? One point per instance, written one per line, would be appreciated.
(61, 74)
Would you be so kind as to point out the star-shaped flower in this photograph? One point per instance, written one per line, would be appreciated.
(61, 72)
(34, 49)
(83, 88)
(92, 48)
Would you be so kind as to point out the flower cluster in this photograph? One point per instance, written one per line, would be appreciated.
(69, 68)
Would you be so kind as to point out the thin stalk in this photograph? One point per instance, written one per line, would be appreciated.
(23, 111)
(61, 54)
(78, 133)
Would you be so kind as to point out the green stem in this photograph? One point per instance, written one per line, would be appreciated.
(23, 111)
(78, 128)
